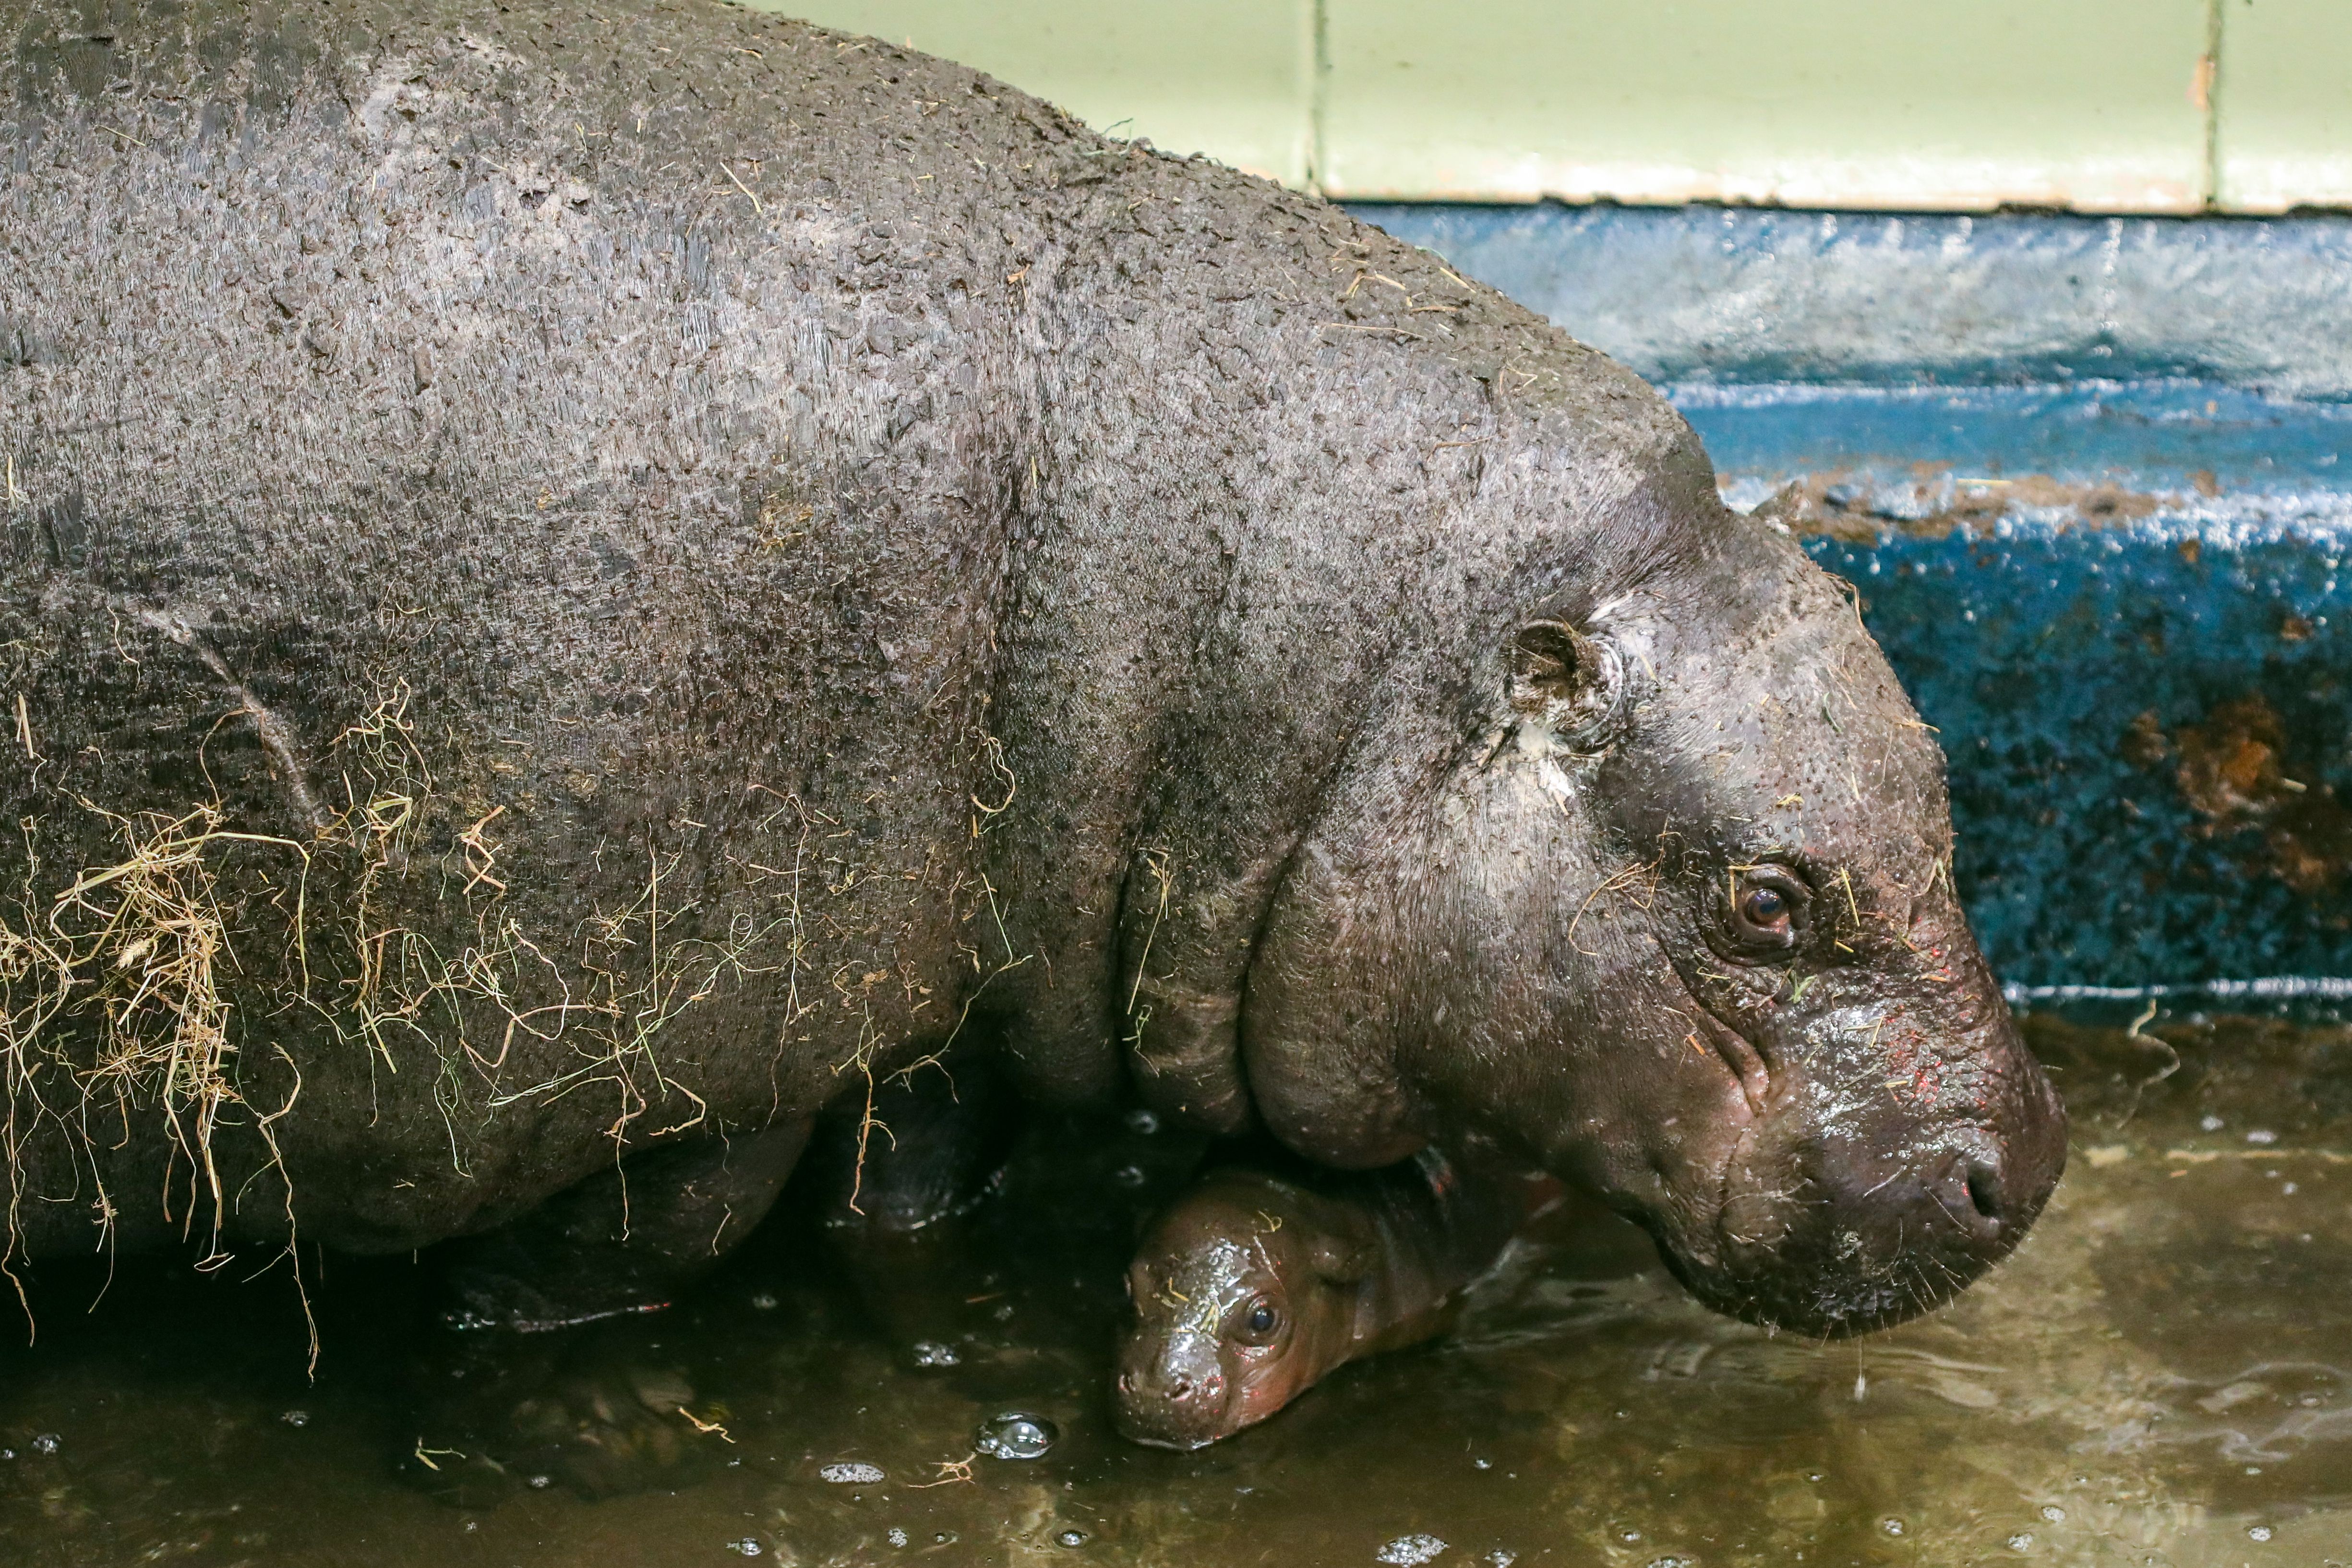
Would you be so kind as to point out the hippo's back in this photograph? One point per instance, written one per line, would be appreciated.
(502, 524)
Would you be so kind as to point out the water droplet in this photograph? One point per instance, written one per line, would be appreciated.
(2053, 1513)
(1129, 1176)
(47, 1442)
(1891, 1525)
(2257, 1533)
(1144, 1122)
(2020, 1542)
(1484, 1464)
(1630, 1537)
(747, 1547)
(1017, 1436)
(540, 1483)
(1071, 1538)
(2286, 1189)
(1410, 1550)
(2261, 1136)
(896, 1536)
(2212, 1124)
(296, 1417)
(932, 1353)
(1672, 1563)
(1499, 1558)
(853, 1472)
(764, 1301)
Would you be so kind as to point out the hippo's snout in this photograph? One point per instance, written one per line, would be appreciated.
(1172, 1393)
(1862, 1199)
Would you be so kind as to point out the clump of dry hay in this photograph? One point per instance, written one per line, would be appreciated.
(133, 952)
(129, 988)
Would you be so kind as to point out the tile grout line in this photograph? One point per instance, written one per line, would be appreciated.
(2210, 197)
(1319, 72)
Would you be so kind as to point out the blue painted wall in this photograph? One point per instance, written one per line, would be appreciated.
(2085, 473)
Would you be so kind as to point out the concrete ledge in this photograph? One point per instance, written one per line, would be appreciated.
(1739, 295)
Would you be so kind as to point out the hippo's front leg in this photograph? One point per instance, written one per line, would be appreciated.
(536, 1370)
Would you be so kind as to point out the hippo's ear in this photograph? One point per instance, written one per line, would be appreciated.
(1571, 680)
(1338, 1261)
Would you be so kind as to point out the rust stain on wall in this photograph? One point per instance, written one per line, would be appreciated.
(1940, 503)
(2237, 772)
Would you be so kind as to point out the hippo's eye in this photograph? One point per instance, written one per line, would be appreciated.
(1767, 908)
(1258, 1322)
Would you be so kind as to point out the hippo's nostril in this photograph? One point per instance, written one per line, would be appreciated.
(1984, 1187)
(1179, 1388)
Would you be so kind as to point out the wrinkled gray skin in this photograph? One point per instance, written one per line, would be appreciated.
(707, 554)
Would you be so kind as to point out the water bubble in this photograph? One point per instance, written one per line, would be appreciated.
(853, 1472)
(748, 1547)
(896, 1536)
(1499, 1558)
(764, 1301)
(1892, 1525)
(1144, 1122)
(1630, 1537)
(1410, 1550)
(540, 1483)
(2212, 1124)
(1129, 1176)
(1672, 1563)
(1016, 1435)
(2053, 1513)
(1071, 1538)
(2286, 1189)
(47, 1442)
(932, 1353)
(2257, 1533)
(1484, 1464)
(296, 1417)
(1004, 1314)
(2020, 1542)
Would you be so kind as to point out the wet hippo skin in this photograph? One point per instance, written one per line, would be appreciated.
(576, 586)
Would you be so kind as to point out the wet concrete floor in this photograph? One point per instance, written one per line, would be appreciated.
(2161, 1378)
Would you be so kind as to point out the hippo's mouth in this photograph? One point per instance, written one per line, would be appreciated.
(1829, 1223)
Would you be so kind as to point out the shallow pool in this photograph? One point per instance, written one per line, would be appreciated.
(2162, 1376)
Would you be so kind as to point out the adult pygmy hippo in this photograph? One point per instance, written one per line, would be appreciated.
(1257, 1283)
(580, 582)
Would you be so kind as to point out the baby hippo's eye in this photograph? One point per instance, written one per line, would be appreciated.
(1258, 1322)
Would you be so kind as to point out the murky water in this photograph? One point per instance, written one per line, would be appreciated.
(2163, 1376)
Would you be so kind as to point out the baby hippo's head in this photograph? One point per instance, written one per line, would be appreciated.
(1246, 1294)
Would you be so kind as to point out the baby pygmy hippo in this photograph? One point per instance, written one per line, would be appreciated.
(1254, 1285)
